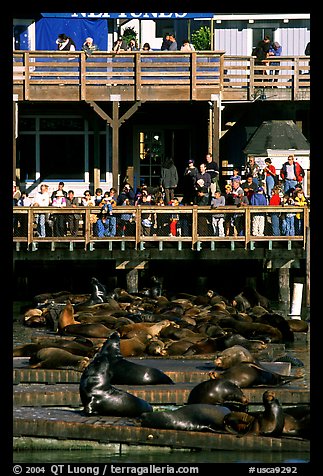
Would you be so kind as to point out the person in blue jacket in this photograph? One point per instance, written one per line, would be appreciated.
(258, 220)
(274, 50)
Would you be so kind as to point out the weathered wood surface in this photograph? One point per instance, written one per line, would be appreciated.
(156, 76)
(62, 394)
(72, 424)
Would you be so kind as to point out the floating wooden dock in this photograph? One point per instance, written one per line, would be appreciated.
(67, 423)
(47, 405)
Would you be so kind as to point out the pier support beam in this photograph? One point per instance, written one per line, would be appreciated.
(132, 281)
(284, 289)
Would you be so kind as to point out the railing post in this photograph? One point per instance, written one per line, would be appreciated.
(137, 77)
(247, 226)
(295, 80)
(194, 225)
(30, 225)
(27, 76)
(251, 88)
(83, 77)
(138, 226)
(87, 227)
(193, 75)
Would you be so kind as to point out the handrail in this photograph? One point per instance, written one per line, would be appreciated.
(197, 220)
(138, 71)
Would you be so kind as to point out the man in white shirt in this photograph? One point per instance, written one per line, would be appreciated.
(42, 199)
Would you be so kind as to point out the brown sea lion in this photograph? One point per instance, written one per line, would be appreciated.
(233, 355)
(68, 325)
(152, 329)
(156, 347)
(95, 329)
(66, 316)
(250, 374)
(297, 325)
(55, 358)
(133, 347)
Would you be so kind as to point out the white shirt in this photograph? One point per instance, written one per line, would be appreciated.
(43, 199)
(290, 172)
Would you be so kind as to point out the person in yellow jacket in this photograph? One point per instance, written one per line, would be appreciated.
(300, 201)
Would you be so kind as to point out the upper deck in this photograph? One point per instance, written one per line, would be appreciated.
(157, 76)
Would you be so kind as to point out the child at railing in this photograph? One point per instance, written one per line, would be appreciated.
(288, 228)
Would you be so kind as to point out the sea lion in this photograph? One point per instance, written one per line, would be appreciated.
(193, 417)
(278, 321)
(95, 329)
(252, 345)
(123, 372)
(55, 358)
(133, 347)
(218, 391)
(297, 325)
(35, 321)
(251, 330)
(297, 421)
(66, 316)
(156, 347)
(99, 397)
(98, 295)
(72, 346)
(68, 325)
(250, 374)
(270, 422)
(233, 355)
(151, 329)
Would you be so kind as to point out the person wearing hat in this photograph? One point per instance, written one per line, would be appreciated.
(270, 176)
(189, 181)
(65, 43)
(59, 201)
(258, 220)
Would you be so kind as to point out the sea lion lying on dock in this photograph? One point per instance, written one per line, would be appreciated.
(55, 358)
(218, 391)
(250, 374)
(123, 372)
(192, 417)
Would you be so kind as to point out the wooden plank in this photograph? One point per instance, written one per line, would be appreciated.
(67, 394)
(65, 424)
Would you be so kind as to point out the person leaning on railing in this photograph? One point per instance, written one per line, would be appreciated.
(42, 199)
(89, 47)
(258, 220)
(73, 219)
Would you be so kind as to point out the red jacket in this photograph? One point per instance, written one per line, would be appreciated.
(298, 171)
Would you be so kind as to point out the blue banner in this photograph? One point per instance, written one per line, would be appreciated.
(77, 29)
(140, 16)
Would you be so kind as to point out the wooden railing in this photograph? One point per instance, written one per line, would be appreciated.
(157, 75)
(194, 225)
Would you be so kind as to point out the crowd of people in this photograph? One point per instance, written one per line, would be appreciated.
(169, 43)
(201, 187)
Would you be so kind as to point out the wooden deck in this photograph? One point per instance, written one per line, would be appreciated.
(47, 405)
(157, 76)
(67, 423)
